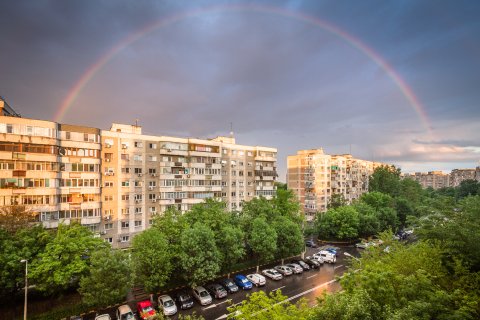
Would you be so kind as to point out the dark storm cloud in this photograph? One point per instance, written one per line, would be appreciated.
(281, 81)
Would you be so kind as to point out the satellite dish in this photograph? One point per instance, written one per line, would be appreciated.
(61, 151)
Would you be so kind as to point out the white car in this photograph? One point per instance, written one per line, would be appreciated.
(317, 258)
(125, 313)
(326, 256)
(272, 274)
(295, 267)
(257, 279)
(105, 316)
(286, 271)
(202, 295)
(167, 305)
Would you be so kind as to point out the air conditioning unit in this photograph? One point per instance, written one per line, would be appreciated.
(103, 233)
(150, 188)
(106, 218)
(154, 200)
(140, 174)
(154, 174)
(108, 145)
(169, 150)
(107, 160)
(124, 146)
(138, 200)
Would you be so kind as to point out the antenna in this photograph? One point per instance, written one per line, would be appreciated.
(231, 129)
(136, 122)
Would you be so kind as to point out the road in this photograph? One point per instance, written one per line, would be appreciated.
(308, 285)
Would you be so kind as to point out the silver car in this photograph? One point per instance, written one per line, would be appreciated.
(286, 271)
(202, 295)
(272, 274)
(295, 268)
(167, 304)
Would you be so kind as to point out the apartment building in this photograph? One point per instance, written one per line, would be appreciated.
(51, 169)
(433, 179)
(144, 175)
(315, 176)
(115, 181)
(459, 175)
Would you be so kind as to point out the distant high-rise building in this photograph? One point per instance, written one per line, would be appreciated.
(315, 176)
(459, 175)
(433, 179)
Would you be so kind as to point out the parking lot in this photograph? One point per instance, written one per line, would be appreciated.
(308, 285)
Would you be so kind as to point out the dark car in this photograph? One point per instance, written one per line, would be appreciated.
(229, 285)
(311, 244)
(302, 264)
(217, 290)
(314, 264)
(183, 300)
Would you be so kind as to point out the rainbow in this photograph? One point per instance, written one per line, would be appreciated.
(354, 42)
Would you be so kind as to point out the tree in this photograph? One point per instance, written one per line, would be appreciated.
(286, 204)
(200, 258)
(467, 188)
(369, 224)
(341, 223)
(231, 244)
(16, 217)
(337, 200)
(26, 243)
(210, 213)
(385, 179)
(65, 259)
(151, 258)
(109, 278)
(289, 237)
(411, 190)
(273, 306)
(263, 239)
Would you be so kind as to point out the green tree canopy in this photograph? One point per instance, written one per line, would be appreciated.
(263, 239)
(109, 278)
(66, 258)
(289, 237)
(341, 223)
(151, 259)
(200, 258)
(385, 179)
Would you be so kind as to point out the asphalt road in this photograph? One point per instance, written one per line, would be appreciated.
(308, 285)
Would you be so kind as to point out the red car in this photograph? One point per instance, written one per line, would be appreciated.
(145, 310)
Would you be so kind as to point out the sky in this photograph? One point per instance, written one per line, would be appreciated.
(390, 81)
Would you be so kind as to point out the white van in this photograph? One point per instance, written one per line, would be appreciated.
(326, 256)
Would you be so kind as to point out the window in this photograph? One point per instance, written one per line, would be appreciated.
(138, 223)
(9, 128)
(125, 196)
(125, 224)
(153, 209)
(138, 144)
(152, 158)
(109, 240)
(138, 210)
(108, 226)
(126, 183)
(152, 145)
(108, 184)
(137, 157)
(125, 239)
(125, 210)
(108, 198)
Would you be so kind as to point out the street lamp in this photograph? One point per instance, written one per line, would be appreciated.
(26, 288)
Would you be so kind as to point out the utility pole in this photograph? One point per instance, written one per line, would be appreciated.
(26, 288)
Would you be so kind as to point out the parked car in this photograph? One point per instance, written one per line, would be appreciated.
(331, 250)
(242, 282)
(184, 300)
(104, 316)
(326, 256)
(284, 270)
(167, 304)
(272, 274)
(202, 295)
(145, 309)
(124, 313)
(217, 291)
(317, 258)
(314, 264)
(363, 245)
(229, 285)
(311, 244)
(295, 268)
(257, 279)
(302, 264)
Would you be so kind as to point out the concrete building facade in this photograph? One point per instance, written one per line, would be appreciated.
(315, 176)
(433, 179)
